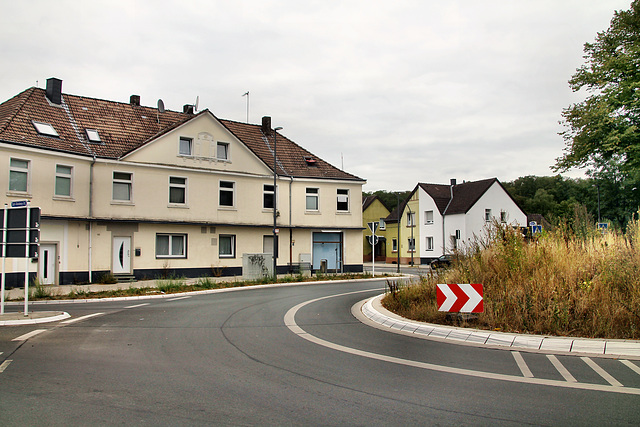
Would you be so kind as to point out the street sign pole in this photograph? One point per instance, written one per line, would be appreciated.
(4, 241)
(26, 261)
(373, 226)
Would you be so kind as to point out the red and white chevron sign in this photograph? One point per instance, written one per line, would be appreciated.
(464, 298)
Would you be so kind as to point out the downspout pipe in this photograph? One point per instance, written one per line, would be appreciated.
(444, 246)
(93, 162)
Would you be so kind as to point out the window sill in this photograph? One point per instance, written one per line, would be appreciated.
(343, 213)
(122, 203)
(170, 257)
(226, 256)
(64, 199)
(312, 212)
(24, 195)
(227, 208)
(178, 206)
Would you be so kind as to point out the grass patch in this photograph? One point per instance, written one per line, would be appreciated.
(572, 281)
(178, 285)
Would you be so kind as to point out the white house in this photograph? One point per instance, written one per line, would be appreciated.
(139, 191)
(438, 219)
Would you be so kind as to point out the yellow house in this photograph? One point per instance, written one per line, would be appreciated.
(144, 192)
(374, 211)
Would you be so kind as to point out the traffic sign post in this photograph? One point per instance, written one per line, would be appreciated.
(373, 239)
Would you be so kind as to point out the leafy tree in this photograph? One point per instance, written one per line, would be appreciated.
(606, 125)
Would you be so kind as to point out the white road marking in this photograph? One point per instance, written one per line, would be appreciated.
(604, 374)
(289, 320)
(138, 305)
(176, 299)
(5, 364)
(561, 369)
(526, 372)
(77, 319)
(631, 366)
(29, 335)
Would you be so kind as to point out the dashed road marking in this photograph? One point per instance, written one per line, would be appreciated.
(631, 366)
(604, 374)
(4, 365)
(77, 319)
(526, 372)
(176, 299)
(561, 369)
(29, 335)
(138, 305)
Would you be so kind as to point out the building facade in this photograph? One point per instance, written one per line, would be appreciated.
(145, 192)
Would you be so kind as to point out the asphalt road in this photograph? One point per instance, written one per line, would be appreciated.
(230, 359)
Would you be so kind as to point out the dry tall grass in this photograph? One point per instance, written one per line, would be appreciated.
(573, 281)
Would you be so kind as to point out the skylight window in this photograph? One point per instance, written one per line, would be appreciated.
(93, 135)
(45, 129)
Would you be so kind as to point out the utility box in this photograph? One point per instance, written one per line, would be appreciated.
(257, 266)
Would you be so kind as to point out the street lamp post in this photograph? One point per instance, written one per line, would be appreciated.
(275, 201)
(398, 230)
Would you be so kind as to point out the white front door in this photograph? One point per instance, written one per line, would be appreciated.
(47, 259)
(121, 255)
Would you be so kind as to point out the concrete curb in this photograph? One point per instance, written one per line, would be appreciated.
(373, 310)
(13, 319)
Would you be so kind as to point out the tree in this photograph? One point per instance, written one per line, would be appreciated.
(606, 125)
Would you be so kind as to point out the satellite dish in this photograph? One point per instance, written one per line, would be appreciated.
(195, 106)
(160, 106)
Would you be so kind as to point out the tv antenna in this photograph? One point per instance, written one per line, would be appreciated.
(160, 109)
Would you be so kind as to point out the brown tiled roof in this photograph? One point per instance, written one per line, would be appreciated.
(293, 160)
(124, 127)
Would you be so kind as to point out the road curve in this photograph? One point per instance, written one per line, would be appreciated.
(232, 358)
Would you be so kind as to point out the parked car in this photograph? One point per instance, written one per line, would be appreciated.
(442, 261)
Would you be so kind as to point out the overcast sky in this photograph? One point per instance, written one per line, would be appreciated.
(398, 92)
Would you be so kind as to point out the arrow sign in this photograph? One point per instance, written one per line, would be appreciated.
(465, 298)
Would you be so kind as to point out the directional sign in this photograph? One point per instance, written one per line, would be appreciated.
(465, 298)
(536, 229)
(373, 239)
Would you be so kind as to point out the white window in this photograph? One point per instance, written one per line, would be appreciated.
(429, 243)
(19, 175)
(227, 246)
(487, 215)
(343, 200)
(227, 193)
(411, 219)
(268, 196)
(45, 129)
(383, 225)
(171, 245)
(186, 146)
(394, 245)
(177, 190)
(122, 186)
(428, 217)
(503, 216)
(222, 151)
(93, 135)
(412, 244)
(63, 181)
(312, 199)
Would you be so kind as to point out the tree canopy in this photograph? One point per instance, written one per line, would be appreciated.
(604, 129)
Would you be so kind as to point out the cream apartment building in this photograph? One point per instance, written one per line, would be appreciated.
(146, 192)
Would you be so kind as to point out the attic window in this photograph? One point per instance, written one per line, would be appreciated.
(93, 135)
(45, 129)
(310, 161)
